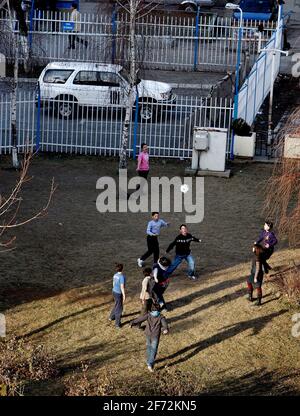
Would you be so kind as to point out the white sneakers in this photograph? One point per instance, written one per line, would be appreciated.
(150, 368)
(193, 277)
(140, 262)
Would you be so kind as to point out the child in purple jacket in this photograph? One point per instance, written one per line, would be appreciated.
(267, 239)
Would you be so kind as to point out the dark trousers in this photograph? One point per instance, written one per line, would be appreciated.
(117, 310)
(251, 285)
(153, 248)
(158, 292)
(73, 37)
(146, 307)
(266, 254)
(143, 173)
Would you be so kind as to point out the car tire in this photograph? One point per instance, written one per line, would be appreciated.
(65, 106)
(189, 8)
(147, 111)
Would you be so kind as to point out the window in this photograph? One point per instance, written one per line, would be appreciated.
(88, 78)
(57, 76)
(110, 79)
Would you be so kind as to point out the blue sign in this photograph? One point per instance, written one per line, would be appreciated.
(67, 26)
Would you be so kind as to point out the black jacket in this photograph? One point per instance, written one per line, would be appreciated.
(154, 324)
(182, 243)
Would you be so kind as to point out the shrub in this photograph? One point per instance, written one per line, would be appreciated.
(288, 283)
(21, 362)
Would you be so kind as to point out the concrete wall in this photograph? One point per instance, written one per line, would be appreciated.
(293, 5)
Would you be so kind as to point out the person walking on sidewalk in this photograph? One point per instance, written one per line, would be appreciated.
(75, 19)
(119, 281)
(155, 323)
(143, 161)
(267, 239)
(153, 231)
(256, 275)
(183, 252)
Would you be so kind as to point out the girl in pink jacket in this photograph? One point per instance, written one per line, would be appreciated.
(143, 161)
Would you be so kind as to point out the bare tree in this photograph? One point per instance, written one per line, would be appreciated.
(136, 10)
(10, 206)
(283, 188)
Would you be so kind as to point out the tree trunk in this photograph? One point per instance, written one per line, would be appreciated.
(131, 93)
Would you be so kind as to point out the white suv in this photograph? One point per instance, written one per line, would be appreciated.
(68, 85)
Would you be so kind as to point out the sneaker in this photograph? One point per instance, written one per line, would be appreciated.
(193, 277)
(140, 262)
(150, 368)
(118, 326)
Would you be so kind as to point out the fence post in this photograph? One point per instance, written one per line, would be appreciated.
(114, 32)
(38, 120)
(31, 23)
(196, 39)
(135, 123)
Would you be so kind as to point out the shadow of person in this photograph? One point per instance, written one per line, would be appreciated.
(230, 331)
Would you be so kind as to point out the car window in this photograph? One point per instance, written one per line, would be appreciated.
(57, 76)
(110, 79)
(88, 78)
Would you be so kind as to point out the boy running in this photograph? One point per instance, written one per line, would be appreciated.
(183, 252)
(118, 291)
(153, 231)
(155, 323)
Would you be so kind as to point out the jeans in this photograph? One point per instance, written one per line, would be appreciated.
(178, 260)
(117, 310)
(152, 347)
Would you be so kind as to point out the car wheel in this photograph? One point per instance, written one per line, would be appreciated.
(65, 107)
(146, 111)
(189, 8)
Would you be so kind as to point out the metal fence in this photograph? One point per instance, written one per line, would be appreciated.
(259, 82)
(98, 130)
(163, 41)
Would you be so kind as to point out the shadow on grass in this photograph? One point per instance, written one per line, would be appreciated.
(230, 331)
(222, 300)
(255, 383)
(57, 321)
(185, 300)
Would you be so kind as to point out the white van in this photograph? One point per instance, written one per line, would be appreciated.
(68, 85)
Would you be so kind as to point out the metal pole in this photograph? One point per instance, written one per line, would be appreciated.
(31, 23)
(196, 39)
(237, 81)
(274, 56)
(38, 121)
(114, 31)
(135, 123)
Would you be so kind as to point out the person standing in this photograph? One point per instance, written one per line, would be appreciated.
(267, 239)
(153, 231)
(119, 281)
(256, 275)
(75, 19)
(155, 323)
(183, 252)
(161, 279)
(143, 161)
(146, 296)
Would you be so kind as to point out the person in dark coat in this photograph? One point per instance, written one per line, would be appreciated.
(155, 324)
(267, 239)
(255, 279)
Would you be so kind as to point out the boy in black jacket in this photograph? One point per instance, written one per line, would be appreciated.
(183, 252)
(155, 322)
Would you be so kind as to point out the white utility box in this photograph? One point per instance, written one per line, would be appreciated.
(2, 65)
(212, 153)
(244, 146)
(292, 147)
